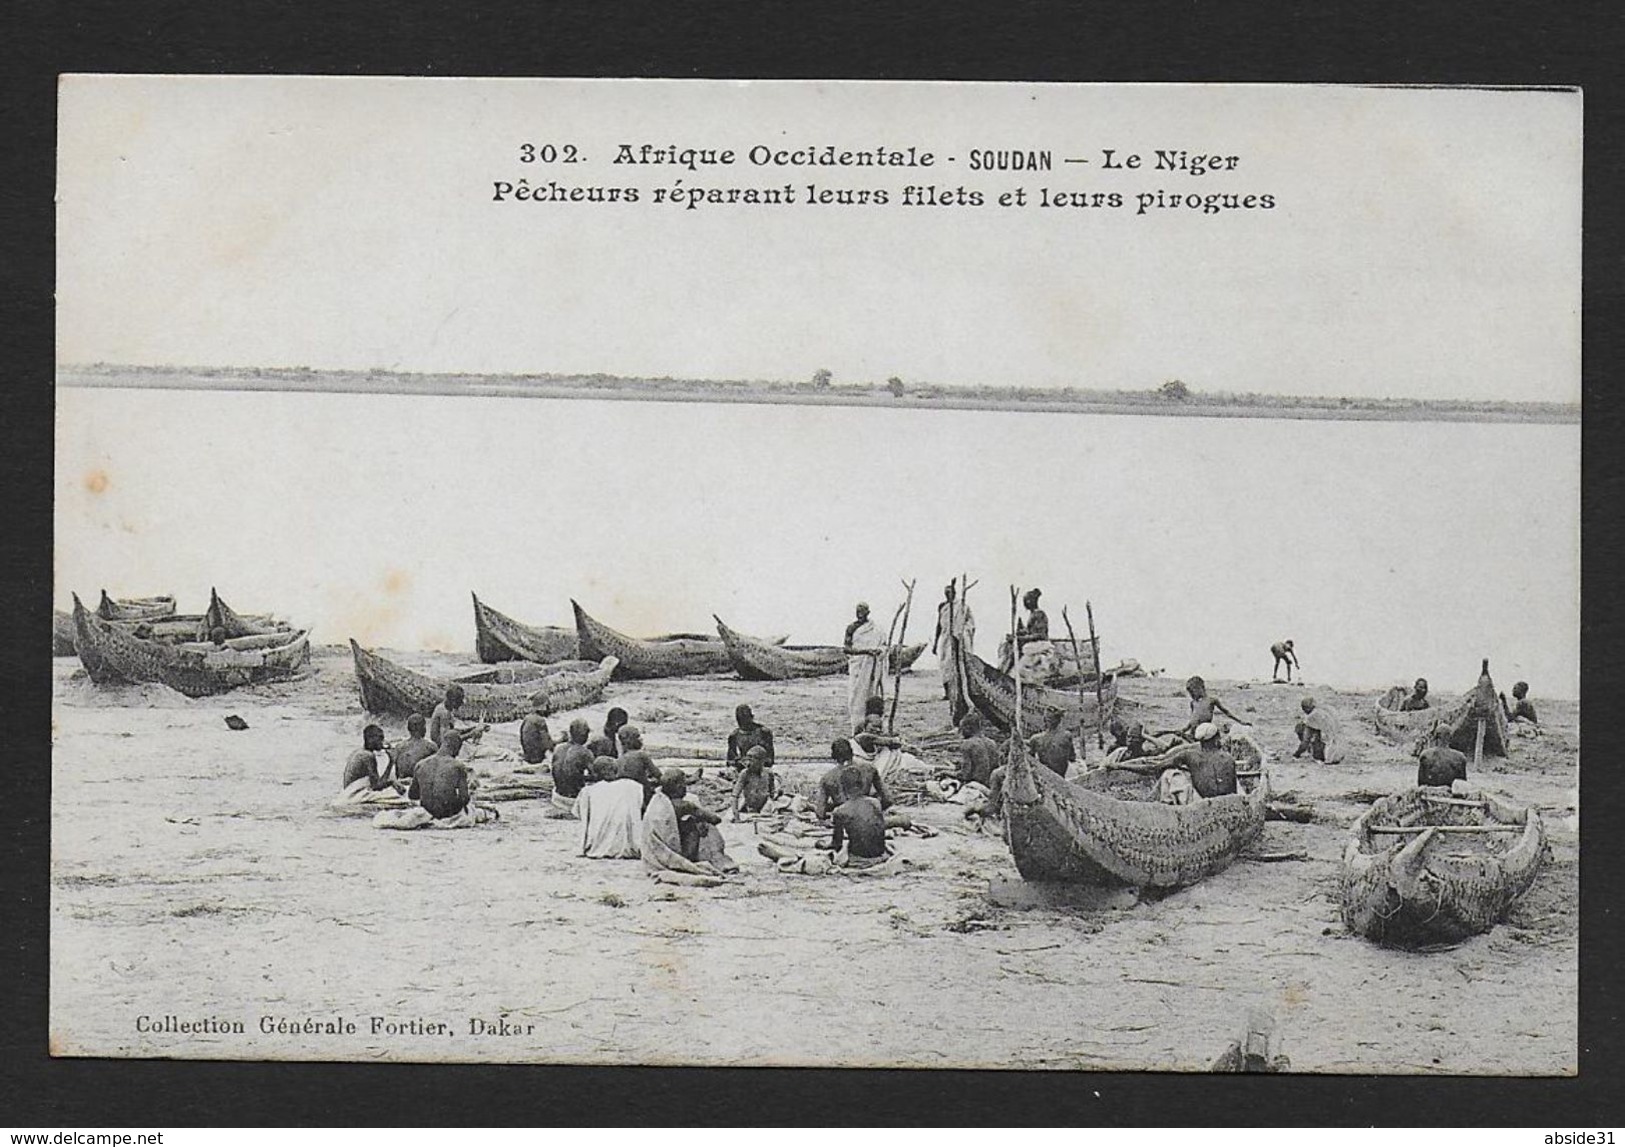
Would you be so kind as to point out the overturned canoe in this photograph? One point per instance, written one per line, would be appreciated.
(994, 695)
(672, 655)
(498, 637)
(390, 688)
(1412, 876)
(135, 608)
(113, 653)
(758, 660)
(1088, 832)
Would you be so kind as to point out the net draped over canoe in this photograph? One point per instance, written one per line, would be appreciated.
(1407, 890)
(1060, 831)
(112, 653)
(498, 637)
(1454, 723)
(758, 660)
(673, 655)
(994, 695)
(387, 687)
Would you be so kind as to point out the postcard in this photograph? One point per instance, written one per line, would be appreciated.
(782, 573)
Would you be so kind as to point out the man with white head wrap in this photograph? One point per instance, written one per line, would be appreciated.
(1191, 772)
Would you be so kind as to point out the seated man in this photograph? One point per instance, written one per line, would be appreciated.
(1209, 769)
(611, 812)
(1054, 746)
(662, 840)
(535, 738)
(749, 734)
(1418, 698)
(849, 778)
(415, 748)
(756, 784)
(697, 829)
(1318, 733)
(448, 717)
(363, 764)
(1128, 741)
(440, 783)
(636, 764)
(978, 756)
(607, 743)
(571, 764)
(859, 839)
(1440, 765)
(1524, 710)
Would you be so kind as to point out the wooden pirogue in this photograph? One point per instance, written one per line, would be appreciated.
(387, 687)
(219, 615)
(1088, 832)
(1428, 866)
(673, 655)
(498, 637)
(758, 660)
(994, 696)
(135, 608)
(1455, 723)
(112, 653)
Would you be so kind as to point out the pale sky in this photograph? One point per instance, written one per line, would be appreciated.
(1423, 243)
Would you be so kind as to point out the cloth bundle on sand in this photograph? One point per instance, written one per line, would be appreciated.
(564, 807)
(360, 796)
(610, 813)
(418, 817)
(819, 862)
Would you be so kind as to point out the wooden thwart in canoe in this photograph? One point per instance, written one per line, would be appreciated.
(1402, 887)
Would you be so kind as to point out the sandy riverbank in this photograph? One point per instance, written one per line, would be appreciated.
(198, 873)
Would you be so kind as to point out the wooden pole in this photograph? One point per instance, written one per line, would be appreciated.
(897, 674)
(1015, 665)
(1077, 655)
(1478, 746)
(1404, 830)
(1100, 678)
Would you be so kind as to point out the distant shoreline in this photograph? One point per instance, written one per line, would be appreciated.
(866, 395)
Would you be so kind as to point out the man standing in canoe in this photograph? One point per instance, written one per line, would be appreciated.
(1524, 710)
(865, 651)
(956, 632)
(1282, 652)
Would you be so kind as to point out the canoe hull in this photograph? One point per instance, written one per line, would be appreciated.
(1406, 892)
(677, 655)
(994, 696)
(387, 687)
(498, 637)
(757, 660)
(63, 634)
(221, 616)
(1076, 833)
(111, 653)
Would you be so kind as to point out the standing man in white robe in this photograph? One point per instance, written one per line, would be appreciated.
(956, 631)
(865, 650)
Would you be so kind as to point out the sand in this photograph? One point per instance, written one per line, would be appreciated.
(198, 873)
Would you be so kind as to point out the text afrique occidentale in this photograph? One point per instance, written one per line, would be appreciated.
(688, 195)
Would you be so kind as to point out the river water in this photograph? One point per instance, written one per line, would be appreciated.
(1386, 550)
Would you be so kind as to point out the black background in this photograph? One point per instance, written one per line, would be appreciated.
(1491, 43)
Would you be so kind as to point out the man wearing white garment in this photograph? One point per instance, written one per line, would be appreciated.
(865, 664)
